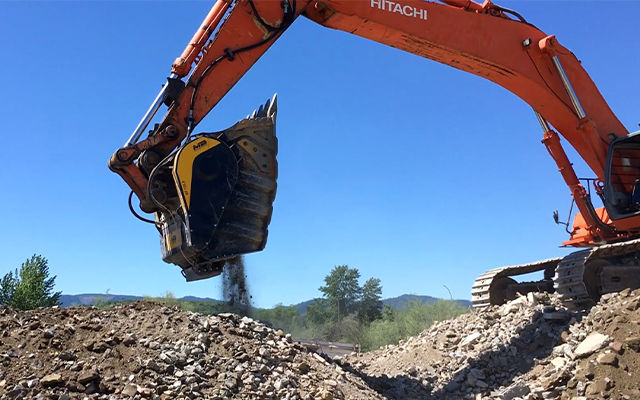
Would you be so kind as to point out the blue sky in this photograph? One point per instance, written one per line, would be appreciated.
(411, 171)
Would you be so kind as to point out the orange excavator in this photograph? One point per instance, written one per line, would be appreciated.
(212, 193)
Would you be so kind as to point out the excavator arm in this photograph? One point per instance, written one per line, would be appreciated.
(483, 39)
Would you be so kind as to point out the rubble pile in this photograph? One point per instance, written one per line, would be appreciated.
(149, 351)
(530, 348)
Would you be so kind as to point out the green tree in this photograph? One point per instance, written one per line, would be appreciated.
(387, 313)
(318, 312)
(342, 291)
(30, 286)
(349, 329)
(281, 316)
(370, 307)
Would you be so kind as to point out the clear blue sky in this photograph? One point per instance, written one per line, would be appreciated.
(410, 171)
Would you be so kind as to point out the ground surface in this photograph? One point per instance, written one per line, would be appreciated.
(530, 348)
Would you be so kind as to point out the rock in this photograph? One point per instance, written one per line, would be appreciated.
(319, 358)
(145, 392)
(280, 383)
(67, 356)
(633, 343)
(592, 343)
(130, 390)
(152, 365)
(331, 383)
(92, 387)
(598, 386)
(616, 347)
(88, 376)
(231, 383)
(18, 391)
(559, 362)
(302, 367)
(470, 339)
(98, 347)
(129, 340)
(75, 386)
(607, 359)
(554, 380)
(518, 389)
(51, 380)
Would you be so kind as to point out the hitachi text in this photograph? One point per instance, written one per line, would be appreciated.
(395, 7)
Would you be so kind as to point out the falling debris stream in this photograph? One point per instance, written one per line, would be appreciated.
(235, 291)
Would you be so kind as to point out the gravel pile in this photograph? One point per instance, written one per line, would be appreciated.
(530, 348)
(150, 351)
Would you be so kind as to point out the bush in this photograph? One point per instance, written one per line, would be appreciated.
(409, 321)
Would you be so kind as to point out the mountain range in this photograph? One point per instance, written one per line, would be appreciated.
(69, 300)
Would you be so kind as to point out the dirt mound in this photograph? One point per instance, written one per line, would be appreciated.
(146, 350)
(530, 348)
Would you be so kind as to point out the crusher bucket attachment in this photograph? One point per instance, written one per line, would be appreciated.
(216, 195)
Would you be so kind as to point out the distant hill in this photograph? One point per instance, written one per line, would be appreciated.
(401, 301)
(85, 299)
(394, 302)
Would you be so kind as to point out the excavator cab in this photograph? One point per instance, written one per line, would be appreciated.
(622, 177)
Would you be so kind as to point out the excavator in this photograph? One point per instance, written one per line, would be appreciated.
(211, 193)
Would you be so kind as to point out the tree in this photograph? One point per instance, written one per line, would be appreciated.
(342, 291)
(30, 286)
(371, 301)
(317, 312)
(387, 313)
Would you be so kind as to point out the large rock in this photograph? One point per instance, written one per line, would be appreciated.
(592, 343)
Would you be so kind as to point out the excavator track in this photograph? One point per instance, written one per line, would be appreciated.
(579, 279)
(569, 280)
(582, 277)
(493, 286)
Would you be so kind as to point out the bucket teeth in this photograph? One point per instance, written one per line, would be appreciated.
(268, 109)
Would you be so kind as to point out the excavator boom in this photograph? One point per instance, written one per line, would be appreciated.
(485, 39)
